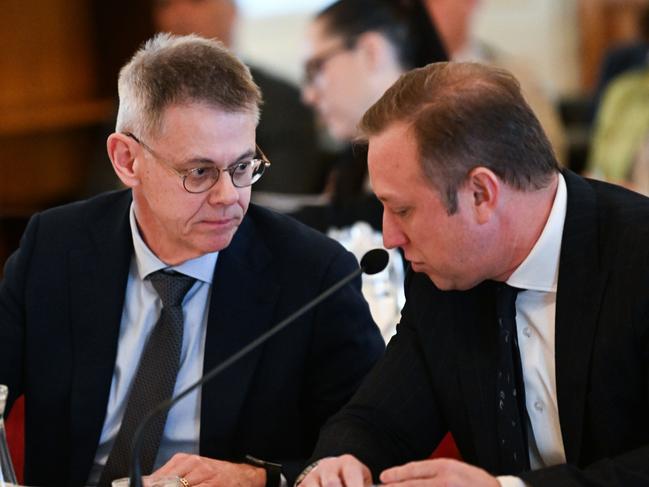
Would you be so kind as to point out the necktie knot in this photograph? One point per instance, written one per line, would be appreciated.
(171, 286)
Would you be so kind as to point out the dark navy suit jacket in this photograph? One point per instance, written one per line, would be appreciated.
(60, 310)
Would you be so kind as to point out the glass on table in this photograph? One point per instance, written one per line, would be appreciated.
(150, 481)
(7, 474)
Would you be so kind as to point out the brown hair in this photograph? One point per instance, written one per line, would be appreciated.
(181, 69)
(465, 115)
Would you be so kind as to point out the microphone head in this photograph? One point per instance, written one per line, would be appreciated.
(374, 261)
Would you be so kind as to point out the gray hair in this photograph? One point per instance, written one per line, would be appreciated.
(181, 69)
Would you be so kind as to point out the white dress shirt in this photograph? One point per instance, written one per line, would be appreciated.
(535, 323)
(141, 311)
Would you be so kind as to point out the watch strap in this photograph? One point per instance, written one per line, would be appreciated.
(273, 470)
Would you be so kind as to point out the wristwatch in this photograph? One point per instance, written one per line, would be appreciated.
(305, 472)
(273, 470)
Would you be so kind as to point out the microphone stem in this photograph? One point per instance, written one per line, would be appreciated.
(136, 470)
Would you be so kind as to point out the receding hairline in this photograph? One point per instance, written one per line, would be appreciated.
(462, 80)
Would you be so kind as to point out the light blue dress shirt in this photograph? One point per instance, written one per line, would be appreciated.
(140, 313)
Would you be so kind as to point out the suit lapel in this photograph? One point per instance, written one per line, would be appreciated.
(476, 340)
(580, 287)
(98, 276)
(243, 297)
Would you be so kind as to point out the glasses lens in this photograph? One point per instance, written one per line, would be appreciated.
(247, 173)
(200, 179)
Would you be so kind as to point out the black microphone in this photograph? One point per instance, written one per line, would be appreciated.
(372, 262)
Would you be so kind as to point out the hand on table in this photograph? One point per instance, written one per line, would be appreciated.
(347, 471)
(201, 471)
(438, 472)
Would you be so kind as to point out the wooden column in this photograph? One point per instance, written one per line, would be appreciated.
(604, 23)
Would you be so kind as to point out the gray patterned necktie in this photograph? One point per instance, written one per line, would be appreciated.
(154, 380)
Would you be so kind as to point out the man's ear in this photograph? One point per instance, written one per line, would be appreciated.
(485, 189)
(374, 49)
(121, 152)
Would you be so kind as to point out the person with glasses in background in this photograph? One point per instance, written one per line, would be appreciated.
(114, 304)
(355, 49)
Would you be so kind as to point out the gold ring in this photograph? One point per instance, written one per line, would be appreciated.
(183, 481)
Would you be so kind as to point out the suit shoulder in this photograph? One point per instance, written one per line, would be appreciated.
(95, 204)
(623, 231)
(620, 207)
(77, 213)
(287, 237)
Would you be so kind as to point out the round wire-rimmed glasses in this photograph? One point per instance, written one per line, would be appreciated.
(200, 179)
(313, 66)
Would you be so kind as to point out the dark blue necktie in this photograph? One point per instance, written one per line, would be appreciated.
(154, 380)
(511, 411)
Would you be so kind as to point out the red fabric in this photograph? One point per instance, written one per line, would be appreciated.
(447, 449)
(15, 424)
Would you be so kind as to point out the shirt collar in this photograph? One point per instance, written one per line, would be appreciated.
(540, 269)
(200, 268)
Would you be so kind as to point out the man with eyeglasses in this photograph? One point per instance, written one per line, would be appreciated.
(118, 302)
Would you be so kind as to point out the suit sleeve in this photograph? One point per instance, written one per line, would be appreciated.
(13, 313)
(393, 418)
(630, 469)
(345, 345)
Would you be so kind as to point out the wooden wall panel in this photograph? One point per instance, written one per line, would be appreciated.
(49, 59)
(604, 23)
(58, 68)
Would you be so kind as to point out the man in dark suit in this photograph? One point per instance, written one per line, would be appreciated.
(86, 295)
(526, 326)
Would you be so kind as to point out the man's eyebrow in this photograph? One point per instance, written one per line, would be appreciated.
(385, 198)
(207, 161)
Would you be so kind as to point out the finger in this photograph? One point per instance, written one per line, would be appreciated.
(414, 470)
(312, 479)
(201, 470)
(182, 465)
(354, 474)
(171, 467)
(429, 482)
(330, 478)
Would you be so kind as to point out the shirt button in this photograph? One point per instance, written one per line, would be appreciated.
(527, 332)
(538, 405)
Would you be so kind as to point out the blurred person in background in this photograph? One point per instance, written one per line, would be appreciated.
(622, 58)
(619, 145)
(286, 129)
(355, 49)
(454, 21)
(621, 130)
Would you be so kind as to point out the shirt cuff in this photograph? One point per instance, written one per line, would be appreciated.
(509, 481)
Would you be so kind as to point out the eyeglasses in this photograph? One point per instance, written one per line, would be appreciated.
(200, 179)
(314, 66)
